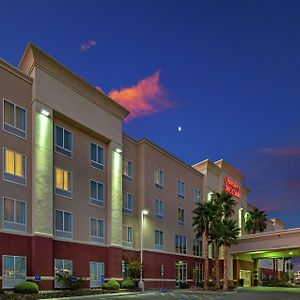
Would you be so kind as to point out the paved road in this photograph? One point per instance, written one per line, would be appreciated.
(242, 294)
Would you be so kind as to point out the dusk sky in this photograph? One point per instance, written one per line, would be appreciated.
(226, 72)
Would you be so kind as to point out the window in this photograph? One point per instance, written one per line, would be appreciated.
(96, 230)
(198, 273)
(63, 224)
(96, 271)
(13, 270)
(96, 193)
(180, 244)
(127, 203)
(197, 247)
(14, 214)
(14, 167)
(181, 272)
(197, 196)
(127, 236)
(63, 182)
(62, 267)
(180, 187)
(158, 178)
(159, 209)
(180, 216)
(159, 239)
(63, 141)
(97, 156)
(127, 170)
(14, 119)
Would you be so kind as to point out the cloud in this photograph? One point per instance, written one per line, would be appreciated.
(145, 98)
(87, 45)
(287, 151)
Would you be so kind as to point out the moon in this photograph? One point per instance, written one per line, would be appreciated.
(179, 128)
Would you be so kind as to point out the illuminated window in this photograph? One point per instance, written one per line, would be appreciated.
(96, 230)
(180, 189)
(197, 247)
(159, 178)
(180, 216)
(127, 236)
(63, 141)
(13, 270)
(180, 244)
(63, 182)
(159, 239)
(127, 169)
(197, 196)
(127, 203)
(14, 120)
(14, 167)
(96, 193)
(159, 208)
(97, 156)
(14, 213)
(63, 224)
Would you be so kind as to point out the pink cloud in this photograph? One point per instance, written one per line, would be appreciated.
(87, 45)
(145, 98)
(281, 151)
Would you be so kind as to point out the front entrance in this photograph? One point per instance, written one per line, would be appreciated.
(246, 275)
(180, 271)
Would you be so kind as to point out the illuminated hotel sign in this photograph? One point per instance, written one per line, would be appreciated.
(231, 187)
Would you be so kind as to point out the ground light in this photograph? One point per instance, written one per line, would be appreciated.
(141, 285)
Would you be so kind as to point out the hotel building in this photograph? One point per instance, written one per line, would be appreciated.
(73, 186)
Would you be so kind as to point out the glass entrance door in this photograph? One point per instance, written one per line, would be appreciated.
(181, 274)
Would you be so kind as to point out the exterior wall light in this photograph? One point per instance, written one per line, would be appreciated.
(45, 112)
(118, 150)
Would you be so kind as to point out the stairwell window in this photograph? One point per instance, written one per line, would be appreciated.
(14, 119)
(14, 167)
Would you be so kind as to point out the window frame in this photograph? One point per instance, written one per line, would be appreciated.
(196, 201)
(181, 196)
(14, 127)
(60, 285)
(161, 239)
(197, 244)
(161, 215)
(68, 234)
(180, 213)
(61, 149)
(126, 243)
(181, 248)
(126, 210)
(95, 164)
(93, 199)
(13, 281)
(124, 176)
(13, 178)
(61, 192)
(97, 282)
(95, 238)
(158, 185)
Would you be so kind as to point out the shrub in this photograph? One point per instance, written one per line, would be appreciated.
(111, 285)
(127, 284)
(68, 280)
(2, 292)
(26, 288)
(184, 285)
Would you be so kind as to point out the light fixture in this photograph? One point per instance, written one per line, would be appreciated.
(290, 253)
(145, 212)
(45, 112)
(118, 150)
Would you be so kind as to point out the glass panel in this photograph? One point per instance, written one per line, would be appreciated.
(67, 222)
(9, 161)
(93, 152)
(68, 140)
(100, 155)
(129, 169)
(129, 201)
(59, 220)
(19, 165)
(100, 228)
(59, 136)
(20, 212)
(59, 264)
(129, 231)
(9, 113)
(20, 118)
(66, 186)
(93, 189)
(68, 266)
(8, 210)
(100, 191)
(8, 267)
(93, 271)
(59, 178)
(93, 227)
(20, 271)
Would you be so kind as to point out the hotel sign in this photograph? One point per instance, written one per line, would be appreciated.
(232, 188)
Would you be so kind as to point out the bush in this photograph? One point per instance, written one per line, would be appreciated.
(68, 280)
(26, 288)
(127, 284)
(2, 292)
(111, 285)
(184, 285)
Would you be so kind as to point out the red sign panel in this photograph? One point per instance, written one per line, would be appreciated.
(232, 188)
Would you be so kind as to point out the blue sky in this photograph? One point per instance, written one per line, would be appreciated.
(227, 72)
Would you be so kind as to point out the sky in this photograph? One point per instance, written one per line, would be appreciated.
(226, 72)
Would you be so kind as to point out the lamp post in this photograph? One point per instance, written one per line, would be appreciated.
(141, 282)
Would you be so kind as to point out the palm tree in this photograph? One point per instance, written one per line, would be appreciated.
(222, 209)
(256, 220)
(228, 235)
(202, 218)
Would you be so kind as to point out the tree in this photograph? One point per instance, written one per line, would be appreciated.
(256, 220)
(228, 235)
(202, 218)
